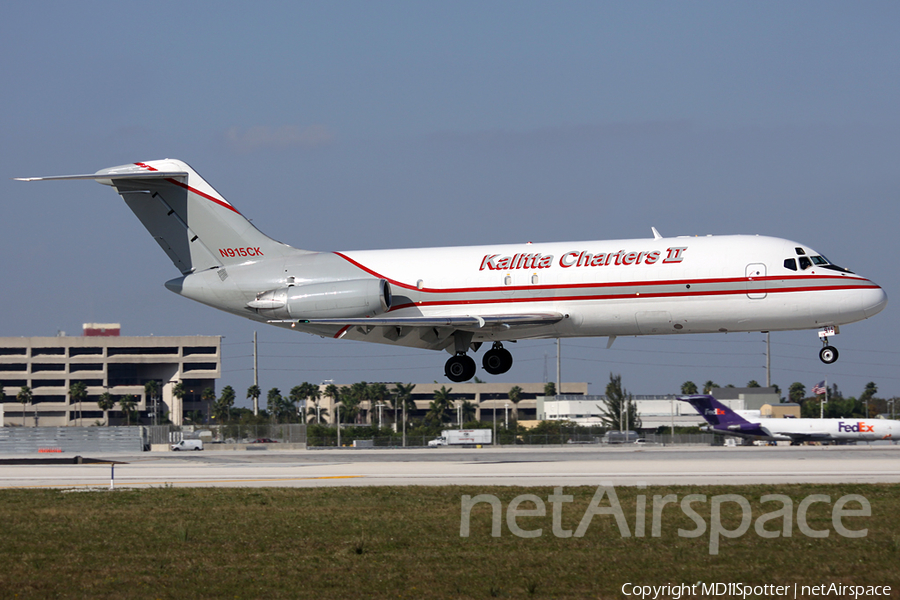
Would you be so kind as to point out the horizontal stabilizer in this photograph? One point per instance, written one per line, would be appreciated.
(111, 176)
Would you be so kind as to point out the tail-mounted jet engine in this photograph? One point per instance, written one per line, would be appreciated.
(331, 300)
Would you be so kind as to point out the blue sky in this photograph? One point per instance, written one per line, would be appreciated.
(376, 125)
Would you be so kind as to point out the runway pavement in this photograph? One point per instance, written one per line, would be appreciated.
(513, 466)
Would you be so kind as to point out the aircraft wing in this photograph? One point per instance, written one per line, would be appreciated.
(463, 322)
(802, 437)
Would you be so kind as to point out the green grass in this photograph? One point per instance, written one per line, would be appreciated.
(404, 542)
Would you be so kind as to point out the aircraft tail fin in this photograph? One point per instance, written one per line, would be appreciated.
(196, 227)
(714, 411)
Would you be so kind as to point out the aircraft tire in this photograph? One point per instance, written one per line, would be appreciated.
(828, 354)
(459, 368)
(497, 361)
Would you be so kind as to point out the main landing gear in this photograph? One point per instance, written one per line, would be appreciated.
(461, 367)
(828, 354)
(497, 360)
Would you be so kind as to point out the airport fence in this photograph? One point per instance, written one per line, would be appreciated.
(419, 441)
(289, 433)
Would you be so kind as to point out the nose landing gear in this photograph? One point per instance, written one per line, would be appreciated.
(828, 354)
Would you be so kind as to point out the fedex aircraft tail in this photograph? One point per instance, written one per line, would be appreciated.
(715, 413)
(196, 227)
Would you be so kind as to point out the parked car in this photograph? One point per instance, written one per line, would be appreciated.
(264, 441)
(188, 445)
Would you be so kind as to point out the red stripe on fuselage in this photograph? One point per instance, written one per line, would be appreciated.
(742, 281)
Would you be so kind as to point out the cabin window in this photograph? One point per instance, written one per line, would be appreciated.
(507, 280)
(790, 263)
(805, 263)
(534, 279)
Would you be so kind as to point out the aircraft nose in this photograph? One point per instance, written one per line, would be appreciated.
(876, 300)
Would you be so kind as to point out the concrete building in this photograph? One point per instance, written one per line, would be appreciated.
(105, 362)
(487, 398)
(655, 411)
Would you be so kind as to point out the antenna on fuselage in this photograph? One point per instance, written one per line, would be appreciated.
(656, 235)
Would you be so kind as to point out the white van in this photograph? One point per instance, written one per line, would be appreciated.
(188, 445)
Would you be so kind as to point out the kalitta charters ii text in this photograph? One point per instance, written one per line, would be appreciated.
(783, 505)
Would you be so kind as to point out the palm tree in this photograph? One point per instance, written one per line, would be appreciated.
(24, 396)
(709, 385)
(151, 393)
(316, 413)
(378, 391)
(297, 395)
(254, 392)
(106, 403)
(468, 411)
(437, 413)
(208, 396)
(359, 392)
(332, 391)
(274, 402)
(515, 396)
(620, 412)
(78, 392)
(179, 392)
(688, 388)
(403, 397)
(223, 406)
(315, 394)
(797, 392)
(439, 409)
(127, 404)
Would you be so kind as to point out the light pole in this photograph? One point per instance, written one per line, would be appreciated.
(337, 408)
(380, 406)
(495, 422)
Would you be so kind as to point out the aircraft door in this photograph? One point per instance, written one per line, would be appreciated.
(756, 285)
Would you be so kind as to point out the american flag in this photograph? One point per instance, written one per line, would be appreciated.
(819, 388)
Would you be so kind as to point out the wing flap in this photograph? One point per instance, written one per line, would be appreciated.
(464, 322)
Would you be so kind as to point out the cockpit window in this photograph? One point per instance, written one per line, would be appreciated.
(799, 251)
(805, 263)
(790, 263)
(819, 260)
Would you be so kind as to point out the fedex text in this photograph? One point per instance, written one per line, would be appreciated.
(858, 427)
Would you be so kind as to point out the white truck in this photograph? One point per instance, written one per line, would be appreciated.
(188, 445)
(462, 437)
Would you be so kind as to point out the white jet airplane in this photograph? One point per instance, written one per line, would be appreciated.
(458, 298)
(722, 419)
